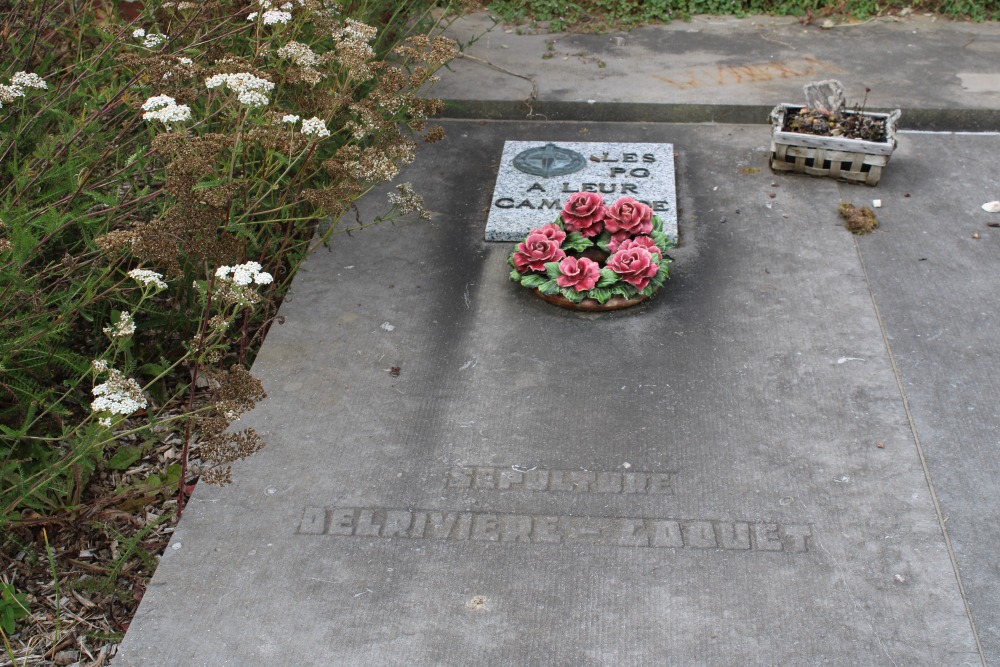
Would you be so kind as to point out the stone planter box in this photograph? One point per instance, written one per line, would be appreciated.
(851, 160)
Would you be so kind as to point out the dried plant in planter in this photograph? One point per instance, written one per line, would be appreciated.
(830, 119)
(823, 138)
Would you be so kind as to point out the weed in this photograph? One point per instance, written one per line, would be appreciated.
(13, 606)
(161, 183)
(599, 15)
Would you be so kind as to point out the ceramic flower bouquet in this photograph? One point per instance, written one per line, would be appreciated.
(594, 257)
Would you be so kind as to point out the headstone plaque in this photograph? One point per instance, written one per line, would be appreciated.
(537, 177)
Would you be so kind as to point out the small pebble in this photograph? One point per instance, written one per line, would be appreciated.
(975, 235)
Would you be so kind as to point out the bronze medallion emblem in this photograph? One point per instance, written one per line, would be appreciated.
(548, 161)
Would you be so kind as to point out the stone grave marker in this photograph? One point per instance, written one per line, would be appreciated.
(537, 177)
(493, 481)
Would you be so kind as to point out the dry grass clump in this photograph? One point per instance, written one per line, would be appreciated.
(858, 220)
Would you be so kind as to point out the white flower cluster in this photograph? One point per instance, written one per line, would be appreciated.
(244, 274)
(123, 328)
(315, 126)
(354, 29)
(299, 53)
(28, 80)
(151, 40)
(147, 277)
(100, 366)
(119, 396)
(18, 83)
(250, 89)
(272, 16)
(165, 109)
(290, 118)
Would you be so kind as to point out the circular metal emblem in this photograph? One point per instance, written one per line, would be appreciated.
(549, 160)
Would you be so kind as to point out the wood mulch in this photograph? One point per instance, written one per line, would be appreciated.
(85, 573)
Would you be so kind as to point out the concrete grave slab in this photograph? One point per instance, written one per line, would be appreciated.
(535, 179)
(695, 481)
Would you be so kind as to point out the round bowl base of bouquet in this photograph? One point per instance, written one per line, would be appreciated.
(594, 258)
(591, 305)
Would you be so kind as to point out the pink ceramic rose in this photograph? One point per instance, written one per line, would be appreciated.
(635, 266)
(638, 242)
(584, 213)
(551, 231)
(581, 274)
(629, 216)
(535, 251)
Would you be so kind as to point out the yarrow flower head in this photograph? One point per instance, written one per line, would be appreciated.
(150, 40)
(119, 396)
(147, 277)
(123, 328)
(18, 83)
(315, 126)
(299, 53)
(166, 110)
(244, 274)
(251, 90)
(290, 118)
(272, 16)
(28, 80)
(234, 284)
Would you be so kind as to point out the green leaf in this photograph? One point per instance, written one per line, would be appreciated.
(657, 224)
(608, 278)
(124, 458)
(552, 270)
(624, 289)
(572, 294)
(576, 242)
(533, 280)
(601, 294)
(549, 287)
(13, 606)
(515, 275)
(603, 240)
(659, 278)
(101, 198)
(662, 241)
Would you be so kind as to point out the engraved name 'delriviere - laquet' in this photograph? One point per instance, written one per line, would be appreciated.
(547, 529)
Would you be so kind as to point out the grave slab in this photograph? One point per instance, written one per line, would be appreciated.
(694, 481)
(536, 178)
